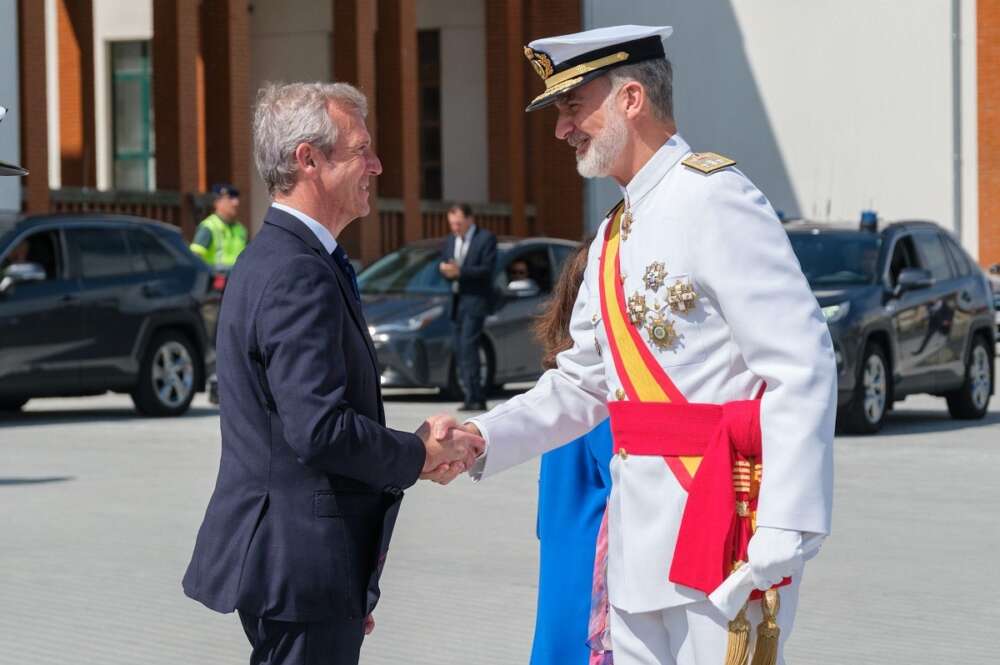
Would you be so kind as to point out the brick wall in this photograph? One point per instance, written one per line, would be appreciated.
(551, 182)
(988, 65)
(77, 133)
(554, 186)
(34, 128)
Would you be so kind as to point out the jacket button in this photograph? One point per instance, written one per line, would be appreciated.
(620, 395)
(623, 454)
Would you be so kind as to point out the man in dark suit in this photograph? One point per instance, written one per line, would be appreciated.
(468, 259)
(310, 481)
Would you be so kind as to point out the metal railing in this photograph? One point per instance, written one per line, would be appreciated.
(162, 205)
(165, 206)
(434, 219)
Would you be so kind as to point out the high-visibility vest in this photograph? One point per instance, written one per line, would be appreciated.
(228, 240)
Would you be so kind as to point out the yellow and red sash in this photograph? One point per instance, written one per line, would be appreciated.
(722, 441)
(642, 377)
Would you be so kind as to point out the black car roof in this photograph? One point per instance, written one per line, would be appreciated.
(36, 221)
(809, 226)
(503, 242)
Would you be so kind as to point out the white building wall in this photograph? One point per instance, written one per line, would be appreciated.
(52, 93)
(830, 106)
(290, 41)
(10, 130)
(464, 149)
(114, 20)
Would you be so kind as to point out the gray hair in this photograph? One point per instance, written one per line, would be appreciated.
(656, 77)
(286, 115)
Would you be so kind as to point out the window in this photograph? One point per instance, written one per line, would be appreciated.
(904, 255)
(134, 162)
(561, 253)
(537, 262)
(101, 252)
(41, 248)
(934, 256)
(837, 258)
(429, 82)
(959, 256)
(150, 252)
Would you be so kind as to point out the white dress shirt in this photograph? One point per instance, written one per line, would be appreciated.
(321, 232)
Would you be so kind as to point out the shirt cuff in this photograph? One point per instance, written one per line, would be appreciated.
(476, 472)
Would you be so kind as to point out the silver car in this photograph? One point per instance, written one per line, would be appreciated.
(406, 305)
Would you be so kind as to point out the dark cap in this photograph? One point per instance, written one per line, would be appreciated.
(224, 189)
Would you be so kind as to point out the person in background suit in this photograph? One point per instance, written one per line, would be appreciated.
(468, 261)
(310, 481)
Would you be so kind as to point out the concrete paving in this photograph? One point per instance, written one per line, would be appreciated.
(100, 509)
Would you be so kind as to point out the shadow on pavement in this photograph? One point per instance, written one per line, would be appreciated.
(926, 421)
(34, 481)
(64, 416)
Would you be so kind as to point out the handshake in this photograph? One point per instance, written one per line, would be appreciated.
(451, 448)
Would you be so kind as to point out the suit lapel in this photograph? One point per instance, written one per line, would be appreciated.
(353, 306)
(287, 222)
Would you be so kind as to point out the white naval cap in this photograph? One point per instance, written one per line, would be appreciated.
(566, 61)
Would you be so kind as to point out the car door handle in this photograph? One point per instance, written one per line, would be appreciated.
(69, 298)
(152, 291)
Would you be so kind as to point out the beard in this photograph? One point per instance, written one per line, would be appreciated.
(605, 148)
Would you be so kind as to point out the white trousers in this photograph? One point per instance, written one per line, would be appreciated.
(692, 634)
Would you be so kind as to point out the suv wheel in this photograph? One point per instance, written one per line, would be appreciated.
(12, 404)
(971, 400)
(866, 411)
(166, 376)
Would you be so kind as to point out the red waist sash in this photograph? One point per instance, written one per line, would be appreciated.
(722, 497)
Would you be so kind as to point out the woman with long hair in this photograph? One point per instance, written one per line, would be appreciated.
(573, 491)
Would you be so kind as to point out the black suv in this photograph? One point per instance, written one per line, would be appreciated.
(90, 304)
(909, 312)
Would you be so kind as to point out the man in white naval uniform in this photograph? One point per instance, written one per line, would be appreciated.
(749, 326)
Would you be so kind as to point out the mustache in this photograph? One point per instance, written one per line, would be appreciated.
(576, 138)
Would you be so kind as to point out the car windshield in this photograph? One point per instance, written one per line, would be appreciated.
(837, 258)
(407, 270)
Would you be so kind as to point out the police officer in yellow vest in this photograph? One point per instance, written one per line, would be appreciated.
(220, 237)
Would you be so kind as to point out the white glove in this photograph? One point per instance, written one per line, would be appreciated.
(774, 554)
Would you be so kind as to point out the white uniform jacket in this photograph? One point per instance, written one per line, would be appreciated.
(755, 321)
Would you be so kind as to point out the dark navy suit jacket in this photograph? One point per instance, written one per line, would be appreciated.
(475, 280)
(310, 479)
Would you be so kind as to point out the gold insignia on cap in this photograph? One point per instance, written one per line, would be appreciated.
(661, 332)
(540, 62)
(656, 274)
(637, 308)
(681, 297)
(708, 162)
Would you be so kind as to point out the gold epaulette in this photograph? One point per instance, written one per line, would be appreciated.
(708, 162)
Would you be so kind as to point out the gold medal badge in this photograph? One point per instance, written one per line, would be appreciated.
(661, 332)
(655, 276)
(681, 297)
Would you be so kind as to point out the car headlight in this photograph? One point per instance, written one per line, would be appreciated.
(834, 313)
(418, 322)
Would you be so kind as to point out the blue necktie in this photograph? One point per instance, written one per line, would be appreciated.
(340, 257)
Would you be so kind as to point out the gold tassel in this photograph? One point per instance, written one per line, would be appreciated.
(738, 647)
(768, 633)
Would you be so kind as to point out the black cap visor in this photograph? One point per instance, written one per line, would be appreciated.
(12, 169)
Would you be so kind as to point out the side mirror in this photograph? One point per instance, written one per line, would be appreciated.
(522, 288)
(18, 273)
(913, 279)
